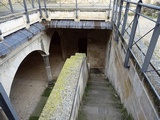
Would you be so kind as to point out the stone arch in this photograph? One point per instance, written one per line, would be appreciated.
(10, 66)
(57, 53)
(56, 43)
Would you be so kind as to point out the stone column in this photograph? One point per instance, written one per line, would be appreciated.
(1, 37)
(48, 68)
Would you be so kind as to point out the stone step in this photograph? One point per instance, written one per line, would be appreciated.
(97, 75)
(107, 105)
(100, 101)
(99, 83)
(99, 110)
(101, 88)
(101, 94)
(97, 70)
(99, 113)
(98, 79)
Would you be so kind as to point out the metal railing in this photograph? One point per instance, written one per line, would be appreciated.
(128, 19)
(25, 6)
(140, 31)
(6, 108)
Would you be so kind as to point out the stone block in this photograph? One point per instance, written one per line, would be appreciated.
(91, 110)
(64, 100)
(147, 107)
(137, 85)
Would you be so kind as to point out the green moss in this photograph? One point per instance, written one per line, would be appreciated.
(70, 68)
(52, 83)
(47, 92)
(82, 116)
(126, 116)
(86, 93)
(33, 118)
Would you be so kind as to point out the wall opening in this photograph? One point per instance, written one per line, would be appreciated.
(82, 45)
(91, 42)
(56, 57)
(55, 45)
(28, 85)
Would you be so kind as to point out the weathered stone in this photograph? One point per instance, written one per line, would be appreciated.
(128, 84)
(10, 64)
(61, 102)
(100, 101)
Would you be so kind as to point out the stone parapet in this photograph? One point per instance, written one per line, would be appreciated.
(63, 102)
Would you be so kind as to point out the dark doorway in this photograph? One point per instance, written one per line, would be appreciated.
(82, 45)
(55, 46)
(55, 39)
(56, 57)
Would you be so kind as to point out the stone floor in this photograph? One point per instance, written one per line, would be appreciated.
(100, 101)
(31, 80)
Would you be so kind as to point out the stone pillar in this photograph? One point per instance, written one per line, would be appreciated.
(48, 68)
(1, 37)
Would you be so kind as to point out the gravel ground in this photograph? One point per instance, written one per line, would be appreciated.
(31, 80)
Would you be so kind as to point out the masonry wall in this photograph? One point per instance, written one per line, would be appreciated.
(97, 41)
(96, 44)
(127, 83)
(64, 100)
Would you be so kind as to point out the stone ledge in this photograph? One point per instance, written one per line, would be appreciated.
(62, 98)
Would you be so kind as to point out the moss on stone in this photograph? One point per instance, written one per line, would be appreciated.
(67, 80)
(82, 116)
(126, 116)
(47, 92)
(34, 118)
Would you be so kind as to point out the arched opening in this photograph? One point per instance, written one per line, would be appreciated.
(56, 58)
(55, 45)
(28, 84)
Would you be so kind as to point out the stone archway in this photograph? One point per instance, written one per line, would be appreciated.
(12, 62)
(55, 44)
(28, 85)
(56, 51)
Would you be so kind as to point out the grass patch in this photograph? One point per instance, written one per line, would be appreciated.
(126, 116)
(82, 116)
(36, 113)
(33, 118)
(47, 92)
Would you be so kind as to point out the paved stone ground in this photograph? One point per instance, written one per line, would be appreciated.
(28, 84)
(100, 101)
(31, 80)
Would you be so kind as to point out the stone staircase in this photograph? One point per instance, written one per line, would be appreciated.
(100, 101)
